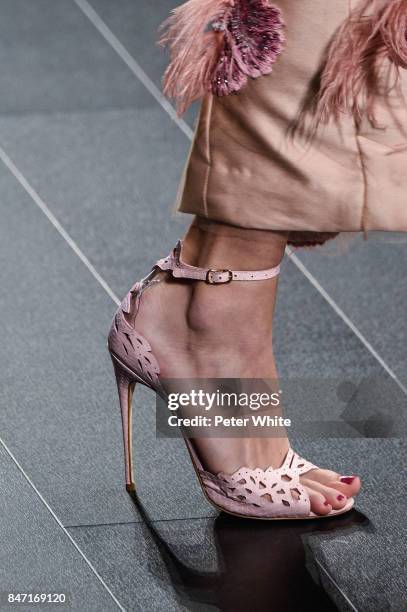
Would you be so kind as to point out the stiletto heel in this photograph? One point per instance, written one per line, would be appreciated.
(125, 387)
(273, 493)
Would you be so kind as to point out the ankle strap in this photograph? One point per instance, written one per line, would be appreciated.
(212, 277)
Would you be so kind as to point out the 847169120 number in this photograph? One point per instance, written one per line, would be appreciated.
(34, 598)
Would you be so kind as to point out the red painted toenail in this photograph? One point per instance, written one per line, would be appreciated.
(340, 497)
(347, 479)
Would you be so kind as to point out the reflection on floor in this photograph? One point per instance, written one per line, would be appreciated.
(259, 564)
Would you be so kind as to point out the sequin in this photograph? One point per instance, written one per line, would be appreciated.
(253, 39)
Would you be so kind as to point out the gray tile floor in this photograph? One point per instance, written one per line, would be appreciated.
(82, 134)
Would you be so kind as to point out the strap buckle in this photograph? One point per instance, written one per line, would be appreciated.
(209, 277)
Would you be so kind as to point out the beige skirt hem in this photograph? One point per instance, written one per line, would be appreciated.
(250, 166)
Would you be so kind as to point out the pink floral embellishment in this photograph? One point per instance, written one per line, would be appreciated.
(253, 39)
(217, 45)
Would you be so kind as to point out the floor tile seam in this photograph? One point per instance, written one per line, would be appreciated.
(74, 112)
(94, 17)
(138, 522)
(59, 523)
(336, 586)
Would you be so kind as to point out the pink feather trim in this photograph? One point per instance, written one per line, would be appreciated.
(374, 36)
(215, 45)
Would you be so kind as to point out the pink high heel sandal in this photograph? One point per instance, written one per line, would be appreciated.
(261, 494)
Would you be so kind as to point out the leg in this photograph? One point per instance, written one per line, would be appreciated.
(206, 331)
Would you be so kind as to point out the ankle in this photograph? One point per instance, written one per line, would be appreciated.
(243, 307)
(217, 245)
(233, 314)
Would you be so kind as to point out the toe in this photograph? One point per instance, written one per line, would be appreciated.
(336, 499)
(347, 485)
(319, 505)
